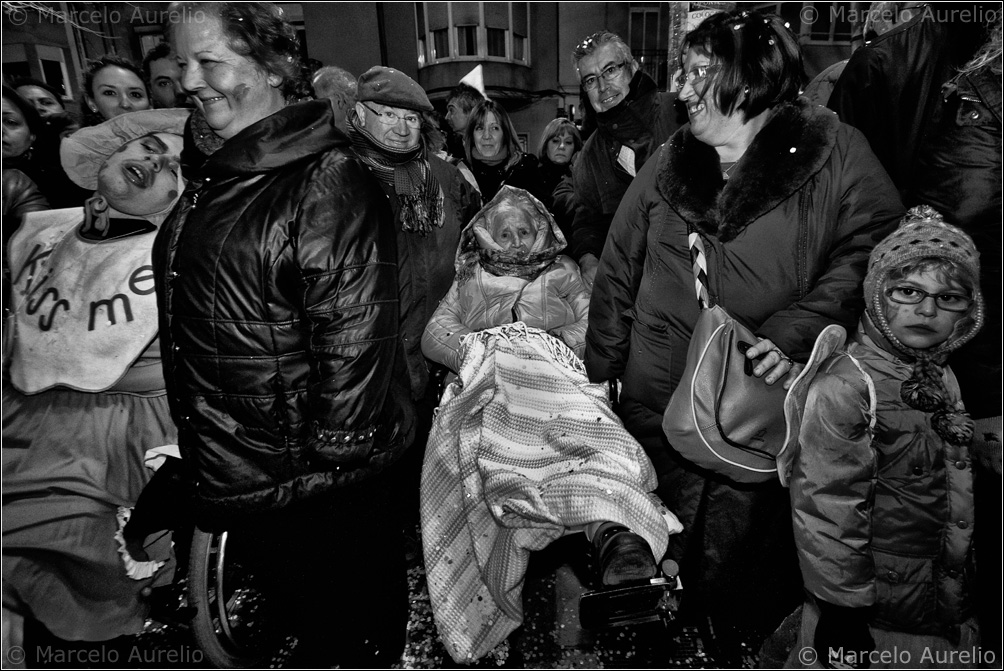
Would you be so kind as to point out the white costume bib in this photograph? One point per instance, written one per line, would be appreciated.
(83, 310)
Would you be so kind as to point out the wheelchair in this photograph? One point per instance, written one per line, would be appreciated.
(220, 601)
(230, 622)
(655, 600)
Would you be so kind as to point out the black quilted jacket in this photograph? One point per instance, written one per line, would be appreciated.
(277, 282)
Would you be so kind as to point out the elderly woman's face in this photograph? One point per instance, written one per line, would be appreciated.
(232, 91)
(561, 148)
(142, 176)
(44, 102)
(488, 135)
(117, 91)
(707, 123)
(514, 231)
(17, 136)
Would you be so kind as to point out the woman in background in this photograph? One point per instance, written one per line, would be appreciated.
(559, 144)
(494, 154)
(113, 85)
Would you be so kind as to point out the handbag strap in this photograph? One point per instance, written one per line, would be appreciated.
(700, 264)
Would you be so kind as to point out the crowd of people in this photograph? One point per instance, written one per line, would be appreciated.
(235, 289)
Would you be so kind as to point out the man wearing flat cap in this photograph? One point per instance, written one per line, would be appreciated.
(394, 131)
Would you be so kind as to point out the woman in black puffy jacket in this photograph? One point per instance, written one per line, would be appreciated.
(277, 280)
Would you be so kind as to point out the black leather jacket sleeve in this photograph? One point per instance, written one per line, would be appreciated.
(346, 256)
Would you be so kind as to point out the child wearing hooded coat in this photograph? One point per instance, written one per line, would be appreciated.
(882, 486)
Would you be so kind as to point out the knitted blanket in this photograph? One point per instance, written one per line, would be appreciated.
(523, 446)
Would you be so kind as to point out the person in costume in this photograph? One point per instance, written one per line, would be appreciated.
(84, 403)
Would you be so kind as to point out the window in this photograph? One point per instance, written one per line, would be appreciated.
(496, 42)
(647, 42)
(440, 44)
(293, 13)
(817, 22)
(518, 47)
(15, 62)
(450, 31)
(467, 40)
(52, 62)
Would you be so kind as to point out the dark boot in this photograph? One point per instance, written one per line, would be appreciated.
(622, 556)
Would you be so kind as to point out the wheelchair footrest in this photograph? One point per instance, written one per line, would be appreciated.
(635, 604)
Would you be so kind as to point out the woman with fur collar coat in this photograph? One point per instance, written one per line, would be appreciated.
(788, 202)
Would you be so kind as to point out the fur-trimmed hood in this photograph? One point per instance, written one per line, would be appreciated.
(786, 153)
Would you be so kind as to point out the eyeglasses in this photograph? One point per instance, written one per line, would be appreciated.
(913, 296)
(608, 74)
(696, 75)
(392, 118)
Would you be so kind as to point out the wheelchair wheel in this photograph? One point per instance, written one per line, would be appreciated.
(231, 623)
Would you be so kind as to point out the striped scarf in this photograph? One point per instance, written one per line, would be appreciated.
(409, 173)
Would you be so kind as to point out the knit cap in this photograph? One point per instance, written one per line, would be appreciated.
(924, 235)
(392, 88)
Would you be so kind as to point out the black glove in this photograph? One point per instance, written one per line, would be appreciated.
(843, 632)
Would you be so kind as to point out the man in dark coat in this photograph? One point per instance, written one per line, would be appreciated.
(392, 129)
(958, 173)
(890, 87)
(632, 119)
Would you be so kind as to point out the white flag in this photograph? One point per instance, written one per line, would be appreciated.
(475, 78)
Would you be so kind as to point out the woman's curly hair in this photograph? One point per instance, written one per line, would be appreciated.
(259, 32)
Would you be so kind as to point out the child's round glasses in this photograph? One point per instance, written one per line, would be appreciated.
(912, 296)
(391, 118)
(696, 75)
(608, 74)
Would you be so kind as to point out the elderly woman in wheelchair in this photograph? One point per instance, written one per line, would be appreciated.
(523, 448)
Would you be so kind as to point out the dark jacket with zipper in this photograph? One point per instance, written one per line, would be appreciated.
(521, 173)
(277, 281)
(890, 86)
(958, 173)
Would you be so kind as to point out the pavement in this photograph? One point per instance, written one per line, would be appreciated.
(551, 636)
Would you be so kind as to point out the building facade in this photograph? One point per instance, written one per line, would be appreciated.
(524, 48)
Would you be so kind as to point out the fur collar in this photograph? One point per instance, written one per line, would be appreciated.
(785, 154)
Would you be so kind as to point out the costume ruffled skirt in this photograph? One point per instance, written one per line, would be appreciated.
(70, 459)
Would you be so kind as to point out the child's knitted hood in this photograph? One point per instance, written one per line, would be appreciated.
(923, 235)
